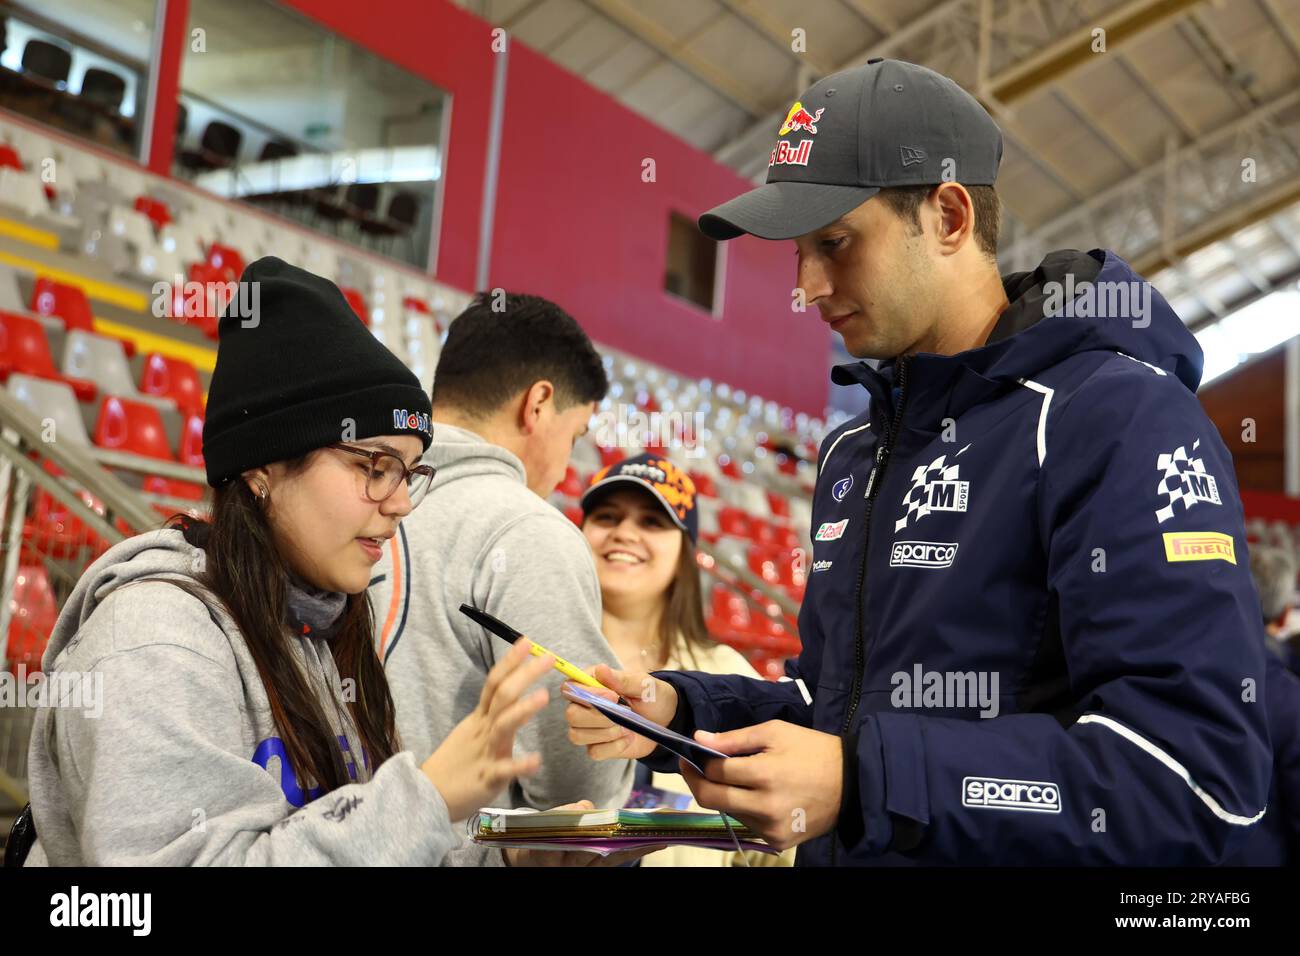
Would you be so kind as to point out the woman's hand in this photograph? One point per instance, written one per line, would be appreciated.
(476, 762)
(650, 697)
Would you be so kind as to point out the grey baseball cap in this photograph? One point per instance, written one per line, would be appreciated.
(853, 133)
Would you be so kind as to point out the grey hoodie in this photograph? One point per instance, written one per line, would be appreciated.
(482, 537)
(172, 771)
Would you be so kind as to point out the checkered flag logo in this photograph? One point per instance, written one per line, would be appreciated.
(917, 499)
(1184, 478)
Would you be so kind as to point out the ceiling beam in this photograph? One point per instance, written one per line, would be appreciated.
(770, 118)
(1121, 24)
(1122, 193)
(720, 80)
(872, 18)
(1093, 124)
(1232, 220)
(1281, 25)
(1171, 113)
(773, 32)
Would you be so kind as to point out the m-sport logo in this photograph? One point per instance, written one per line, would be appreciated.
(993, 793)
(922, 554)
(935, 487)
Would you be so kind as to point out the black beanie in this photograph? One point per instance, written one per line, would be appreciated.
(296, 371)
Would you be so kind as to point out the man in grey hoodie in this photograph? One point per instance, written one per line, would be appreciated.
(516, 385)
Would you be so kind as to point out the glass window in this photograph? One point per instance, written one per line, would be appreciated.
(280, 112)
(692, 262)
(81, 66)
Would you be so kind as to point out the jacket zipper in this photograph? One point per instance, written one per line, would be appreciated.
(873, 488)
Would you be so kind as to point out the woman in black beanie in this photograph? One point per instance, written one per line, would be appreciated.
(233, 710)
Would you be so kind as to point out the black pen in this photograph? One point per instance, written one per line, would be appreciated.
(510, 636)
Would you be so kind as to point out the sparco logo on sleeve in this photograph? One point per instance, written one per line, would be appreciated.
(992, 793)
(922, 554)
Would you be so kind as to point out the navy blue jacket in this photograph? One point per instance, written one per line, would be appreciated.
(1052, 510)
(1275, 840)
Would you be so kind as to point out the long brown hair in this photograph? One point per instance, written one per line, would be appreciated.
(683, 614)
(681, 621)
(246, 571)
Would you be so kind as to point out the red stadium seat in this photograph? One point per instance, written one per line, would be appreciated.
(763, 561)
(419, 305)
(134, 427)
(780, 535)
(154, 484)
(191, 450)
(34, 612)
(202, 310)
(172, 378)
(729, 467)
(9, 157)
(733, 521)
(157, 485)
(728, 615)
(155, 209)
(572, 486)
(67, 302)
(24, 349)
(769, 667)
(226, 262)
(610, 455)
(704, 484)
(574, 514)
(54, 530)
(358, 303)
(779, 504)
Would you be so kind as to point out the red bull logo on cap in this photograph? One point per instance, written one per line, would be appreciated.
(800, 119)
(787, 155)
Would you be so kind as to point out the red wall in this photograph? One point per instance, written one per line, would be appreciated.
(574, 221)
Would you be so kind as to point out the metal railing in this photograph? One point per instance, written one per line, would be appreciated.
(25, 471)
(70, 475)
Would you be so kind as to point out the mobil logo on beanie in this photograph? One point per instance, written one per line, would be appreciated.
(414, 421)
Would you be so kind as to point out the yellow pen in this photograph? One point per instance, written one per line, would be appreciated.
(510, 635)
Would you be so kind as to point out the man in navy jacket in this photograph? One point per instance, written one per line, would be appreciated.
(1030, 633)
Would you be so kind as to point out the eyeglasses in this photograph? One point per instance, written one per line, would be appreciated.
(387, 471)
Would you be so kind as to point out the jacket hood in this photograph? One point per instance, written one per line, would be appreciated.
(458, 453)
(1083, 301)
(154, 554)
(1072, 302)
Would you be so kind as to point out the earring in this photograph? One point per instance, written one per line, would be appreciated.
(261, 492)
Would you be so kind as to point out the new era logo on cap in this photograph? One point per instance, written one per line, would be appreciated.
(911, 155)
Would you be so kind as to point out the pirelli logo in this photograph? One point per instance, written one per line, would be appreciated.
(1199, 546)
